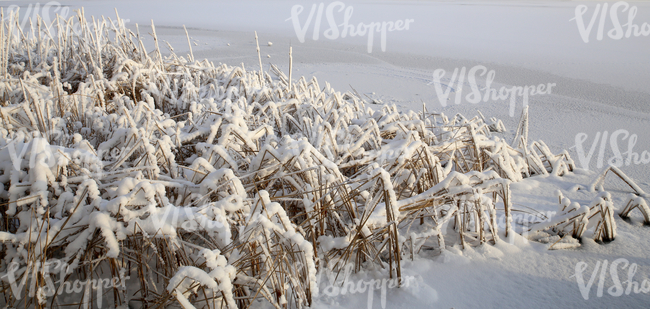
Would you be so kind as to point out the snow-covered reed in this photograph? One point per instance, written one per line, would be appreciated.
(214, 186)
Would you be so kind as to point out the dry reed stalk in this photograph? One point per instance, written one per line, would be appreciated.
(189, 44)
(290, 66)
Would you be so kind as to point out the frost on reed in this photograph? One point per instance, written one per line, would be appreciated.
(214, 186)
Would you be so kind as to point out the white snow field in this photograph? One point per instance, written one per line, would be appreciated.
(595, 104)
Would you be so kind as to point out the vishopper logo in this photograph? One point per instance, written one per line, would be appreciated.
(525, 221)
(618, 288)
(340, 283)
(616, 31)
(45, 271)
(40, 154)
(48, 12)
(36, 152)
(338, 28)
(188, 218)
(485, 94)
(618, 159)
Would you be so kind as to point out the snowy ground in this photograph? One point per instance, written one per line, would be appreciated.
(600, 86)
